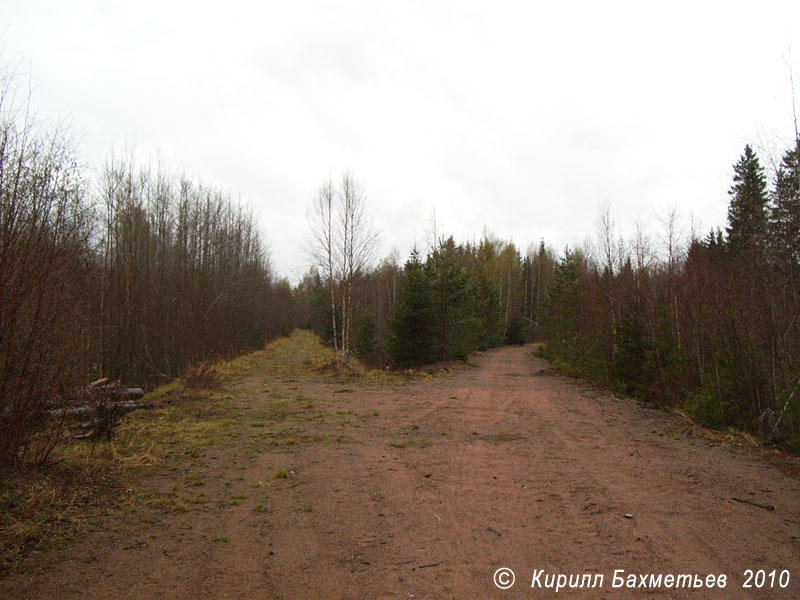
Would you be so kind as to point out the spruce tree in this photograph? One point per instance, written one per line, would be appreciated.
(562, 306)
(450, 282)
(365, 341)
(485, 311)
(629, 333)
(320, 311)
(785, 212)
(413, 319)
(544, 263)
(747, 216)
(662, 366)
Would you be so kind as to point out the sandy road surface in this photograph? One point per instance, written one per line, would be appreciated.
(424, 490)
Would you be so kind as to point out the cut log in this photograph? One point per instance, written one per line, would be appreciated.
(119, 408)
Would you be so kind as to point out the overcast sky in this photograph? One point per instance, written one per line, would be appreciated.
(519, 117)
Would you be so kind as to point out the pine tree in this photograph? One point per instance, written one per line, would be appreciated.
(747, 216)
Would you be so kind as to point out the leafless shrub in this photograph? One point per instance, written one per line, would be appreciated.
(44, 279)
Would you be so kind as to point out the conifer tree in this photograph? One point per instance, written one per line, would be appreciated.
(747, 216)
(413, 317)
(365, 340)
(450, 282)
(630, 342)
(784, 219)
(661, 369)
(485, 311)
(562, 306)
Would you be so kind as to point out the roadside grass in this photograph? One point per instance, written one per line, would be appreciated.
(689, 427)
(41, 508)
(185, 428)
(87, 483)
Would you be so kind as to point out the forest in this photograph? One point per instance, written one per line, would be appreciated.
(136, 274)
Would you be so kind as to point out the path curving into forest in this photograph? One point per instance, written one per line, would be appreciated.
(426, 489)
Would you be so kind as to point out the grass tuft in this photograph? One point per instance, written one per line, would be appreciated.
(202, 376)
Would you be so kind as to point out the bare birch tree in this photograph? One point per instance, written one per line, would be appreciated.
(342, 244)
(322, 224)
(357, 240)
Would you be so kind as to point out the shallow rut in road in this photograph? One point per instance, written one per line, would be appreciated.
(425, 489)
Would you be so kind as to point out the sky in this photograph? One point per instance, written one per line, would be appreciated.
(522, 119)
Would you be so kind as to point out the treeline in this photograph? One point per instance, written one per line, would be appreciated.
(713, 328)
(183, 276)
(135, 280)
(457, 298)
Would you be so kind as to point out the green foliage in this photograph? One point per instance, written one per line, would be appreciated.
(630, 348)
(324, 328)
(662, 369)
(562, 303)
(365, 341)
(706, 406)
(486, 324)
(413, 318)
(10, 497)
(316, 310)
(450, 305)
(517, 331)
(450, 285)
(747, 217)
(784, 220)
(538, 270)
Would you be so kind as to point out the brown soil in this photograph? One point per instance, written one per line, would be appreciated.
(425, 489)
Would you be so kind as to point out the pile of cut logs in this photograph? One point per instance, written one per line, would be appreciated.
(101, 403)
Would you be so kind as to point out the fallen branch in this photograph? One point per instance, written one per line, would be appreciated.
(746, 501)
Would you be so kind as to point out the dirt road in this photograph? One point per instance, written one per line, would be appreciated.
(425, 490)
